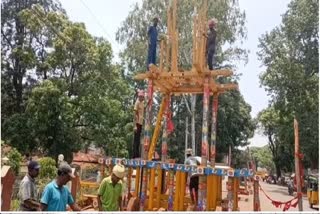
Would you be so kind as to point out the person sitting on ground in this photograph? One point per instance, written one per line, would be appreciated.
(193, 177)
(28, 189)
(110, 190)
(56, 195)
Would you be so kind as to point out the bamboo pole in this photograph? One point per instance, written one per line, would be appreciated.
(161, 54)
(164, 146)
(137, 182)
(183, 179)
(174, 50)
(214, 130)
(213, 149)
(151, 189)
(147, 134)
(214, 192)
(297, 162)
(157, 128)
(235, 193)
(204, 148)
(194, 40)
(256, 199)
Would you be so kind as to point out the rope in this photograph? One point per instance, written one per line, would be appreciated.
(287, 204)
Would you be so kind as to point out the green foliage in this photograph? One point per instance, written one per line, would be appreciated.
(78, 97)
(290, 54)
(15, 205)
(18, 132)
(51, 121)
(15, 159)
(235, 125)
(21, 51)
(48, 171)
(240, 158)
(48, 168)
(263, 158)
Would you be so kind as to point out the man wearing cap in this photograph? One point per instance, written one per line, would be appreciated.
(211, 43)
(56, 196)
(138, 122)
(28, 190)
(193, 177)
(110, 190)
(153, 38)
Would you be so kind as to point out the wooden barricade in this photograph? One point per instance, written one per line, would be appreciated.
(7, 180)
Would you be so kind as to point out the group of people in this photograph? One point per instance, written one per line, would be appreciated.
(153, 40)
(56, 196)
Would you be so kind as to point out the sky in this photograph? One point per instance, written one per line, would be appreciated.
(104, 17)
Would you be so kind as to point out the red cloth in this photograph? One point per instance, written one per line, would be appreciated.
(287, 204)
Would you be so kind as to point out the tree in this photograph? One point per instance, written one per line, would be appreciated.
(268, 121)
(264, 158)
(290, 54)
(133, 33)
(51, 120)
(79, 97)
(20, 51)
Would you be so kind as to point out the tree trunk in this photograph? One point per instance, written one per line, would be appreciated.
(314, 164)
(278, 169)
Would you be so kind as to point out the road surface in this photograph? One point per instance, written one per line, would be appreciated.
(277, 193)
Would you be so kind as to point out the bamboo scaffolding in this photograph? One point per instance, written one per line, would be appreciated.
(169, 80)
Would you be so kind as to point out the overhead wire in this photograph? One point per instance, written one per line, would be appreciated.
(99, 24)
(55, 31)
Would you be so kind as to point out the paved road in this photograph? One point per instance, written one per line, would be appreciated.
(279, 193)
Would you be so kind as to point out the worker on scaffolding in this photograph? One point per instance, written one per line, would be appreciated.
(152, 45)
(211, 43)
(193, 177)
(138, 122)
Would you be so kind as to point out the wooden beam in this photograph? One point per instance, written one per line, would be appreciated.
(156, 131)
(155, 73)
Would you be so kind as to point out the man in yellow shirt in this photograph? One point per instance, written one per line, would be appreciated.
(110, 190)
(138, 122)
